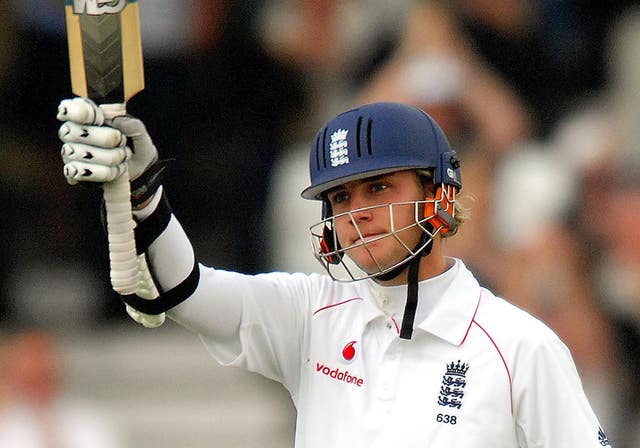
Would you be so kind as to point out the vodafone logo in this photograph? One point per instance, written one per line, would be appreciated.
(349, 352)
(337, 374)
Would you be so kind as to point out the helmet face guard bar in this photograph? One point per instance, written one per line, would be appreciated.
(431, 216)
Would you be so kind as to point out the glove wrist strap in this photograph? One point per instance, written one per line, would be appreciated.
(145, 185)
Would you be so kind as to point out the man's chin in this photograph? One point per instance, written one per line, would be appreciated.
(367, 264)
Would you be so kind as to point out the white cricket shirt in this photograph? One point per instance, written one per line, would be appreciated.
(477, 373)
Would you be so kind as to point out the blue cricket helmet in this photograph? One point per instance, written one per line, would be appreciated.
(375, 139)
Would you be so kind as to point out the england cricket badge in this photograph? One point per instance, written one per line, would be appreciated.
(339, 148)
(453, 383)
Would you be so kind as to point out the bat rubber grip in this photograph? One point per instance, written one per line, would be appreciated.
(129, 271)
(122, 245)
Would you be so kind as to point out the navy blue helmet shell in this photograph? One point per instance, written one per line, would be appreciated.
(375, 139)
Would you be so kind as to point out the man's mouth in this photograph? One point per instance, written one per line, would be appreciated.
(368, 238)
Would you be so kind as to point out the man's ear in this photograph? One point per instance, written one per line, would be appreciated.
(425, 180)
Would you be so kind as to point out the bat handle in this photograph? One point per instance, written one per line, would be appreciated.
(122, 245)
(129, 271)
(120, 224)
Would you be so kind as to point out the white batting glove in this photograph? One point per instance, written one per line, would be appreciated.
(99, 149)
(95, 149)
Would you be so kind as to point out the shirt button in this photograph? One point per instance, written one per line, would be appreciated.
(389, 326)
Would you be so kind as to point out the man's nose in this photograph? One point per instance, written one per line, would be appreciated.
(360, 210)
(361, 215)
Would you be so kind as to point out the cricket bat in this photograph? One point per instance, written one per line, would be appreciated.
(105, 58)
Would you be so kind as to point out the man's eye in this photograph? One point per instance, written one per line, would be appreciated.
(378, 186)
(339, 197)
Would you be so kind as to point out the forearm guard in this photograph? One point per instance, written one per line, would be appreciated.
(170, 258)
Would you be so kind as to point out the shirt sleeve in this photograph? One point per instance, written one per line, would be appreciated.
(253, 322)
(550, 406)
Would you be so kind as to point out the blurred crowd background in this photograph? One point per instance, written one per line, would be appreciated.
(541, 99)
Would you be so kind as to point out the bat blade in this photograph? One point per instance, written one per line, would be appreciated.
(102, 51)
(105, 49)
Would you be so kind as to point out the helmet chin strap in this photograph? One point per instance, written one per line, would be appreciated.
(412, 299)
(412, 286)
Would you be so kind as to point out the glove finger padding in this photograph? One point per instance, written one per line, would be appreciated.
(96, 148)
(88, 163)
(80, 110)
(100, 136)
(94, 155)
(76, 171)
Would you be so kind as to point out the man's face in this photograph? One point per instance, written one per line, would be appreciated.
(374, 225)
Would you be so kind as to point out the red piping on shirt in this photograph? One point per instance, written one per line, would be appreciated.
(472, 319)
(335, 304)
(503, 362)
(396, 324)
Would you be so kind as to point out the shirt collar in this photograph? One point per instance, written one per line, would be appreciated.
(446, 306)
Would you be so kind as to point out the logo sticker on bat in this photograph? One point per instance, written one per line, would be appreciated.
(97, 7)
